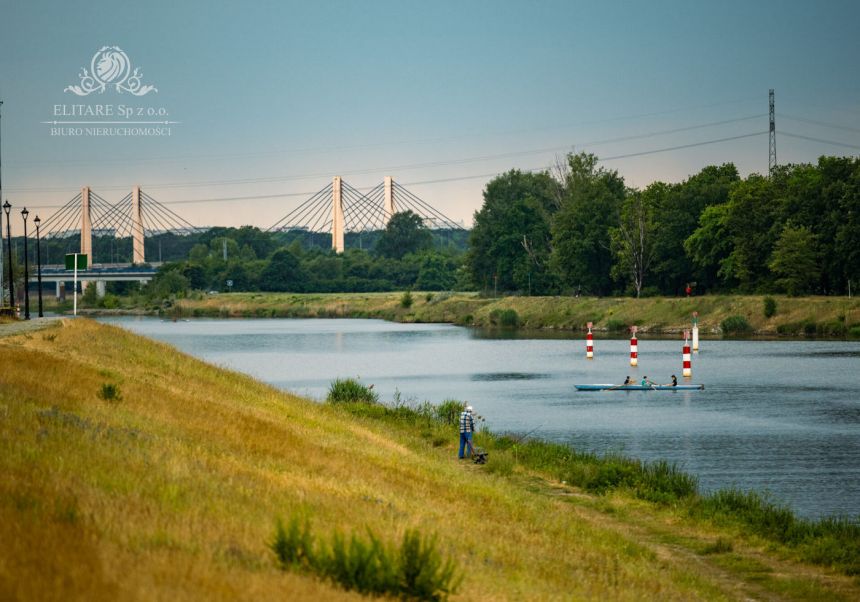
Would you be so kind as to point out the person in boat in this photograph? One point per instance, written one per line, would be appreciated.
(646, 382)
(674, 382)
(627, 381)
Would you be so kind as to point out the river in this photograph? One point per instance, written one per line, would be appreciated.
(781, 417)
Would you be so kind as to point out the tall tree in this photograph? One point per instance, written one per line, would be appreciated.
(795, 260)
(581, 242)
(510, 241)
(678, 208)
(405, 233)
(633, 238)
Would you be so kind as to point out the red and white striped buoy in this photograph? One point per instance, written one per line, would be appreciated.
(589, 343)
(688, 369)
(634, 348)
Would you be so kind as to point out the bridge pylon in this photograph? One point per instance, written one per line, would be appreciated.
(337, 221)
(137, 248)
(86, 224)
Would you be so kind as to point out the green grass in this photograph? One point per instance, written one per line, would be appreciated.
(832, 542)
(615, 315)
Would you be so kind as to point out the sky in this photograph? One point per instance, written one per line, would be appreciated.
(269, 100)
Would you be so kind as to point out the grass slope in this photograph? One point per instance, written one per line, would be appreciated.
(172, 492)
(821, 316)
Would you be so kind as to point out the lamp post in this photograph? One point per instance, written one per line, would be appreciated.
(7, 207)
(24, 214)
(37, 221)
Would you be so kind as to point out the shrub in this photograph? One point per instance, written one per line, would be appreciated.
(423, 573)
(615, 325)
(769, 307)
(416, 570)
(110, 392)
(428, 297)
(349, 390)
(448, 412)
(406, 300)
(294, 546)
(506, 318)
(736, 325)
(810, 328)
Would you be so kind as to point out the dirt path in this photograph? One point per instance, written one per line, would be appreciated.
(8, 329)
(742, 573)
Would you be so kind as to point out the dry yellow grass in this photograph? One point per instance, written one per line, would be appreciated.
(172, 492)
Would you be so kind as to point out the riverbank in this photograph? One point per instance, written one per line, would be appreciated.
(719, 315)
(135, 471)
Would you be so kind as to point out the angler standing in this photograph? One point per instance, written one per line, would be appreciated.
(467, 427)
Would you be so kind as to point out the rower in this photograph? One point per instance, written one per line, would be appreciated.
(646, 383)
(674, 381)
(627, 381)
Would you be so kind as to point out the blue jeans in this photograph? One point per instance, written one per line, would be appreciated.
(465, 441)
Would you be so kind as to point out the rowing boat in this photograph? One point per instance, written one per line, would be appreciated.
(638, 387)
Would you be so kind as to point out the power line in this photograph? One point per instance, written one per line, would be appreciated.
(456, 178)
(822, 140)
(826, 124)
(323, 149)
(394, 168)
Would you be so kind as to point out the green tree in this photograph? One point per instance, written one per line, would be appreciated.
(283, 272)
(795, 260)
(633, 238)
(677, 210)
(709, 247)
(581, 241)
(405, 233)
(435, 273)
(510, 242)
(753, 223)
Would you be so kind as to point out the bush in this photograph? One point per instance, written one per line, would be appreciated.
(736, 325)
(769, 307)
(415, 571)
(810, 329)
(506, 318)
(110, 392)
(406, 300)
(615, 325)
(448, 412)
(349, 390)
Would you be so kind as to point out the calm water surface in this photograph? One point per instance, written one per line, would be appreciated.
(776, 416)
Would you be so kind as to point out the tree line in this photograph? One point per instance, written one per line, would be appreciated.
(579, 229)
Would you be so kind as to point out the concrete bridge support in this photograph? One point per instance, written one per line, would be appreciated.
(390, 209)
(136, 228)
(337, 221)
(86, 224)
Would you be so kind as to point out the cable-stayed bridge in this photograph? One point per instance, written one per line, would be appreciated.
(335, 210)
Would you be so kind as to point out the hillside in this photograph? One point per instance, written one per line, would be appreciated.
(132, 471)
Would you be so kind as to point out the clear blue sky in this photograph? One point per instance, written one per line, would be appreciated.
(280, 96)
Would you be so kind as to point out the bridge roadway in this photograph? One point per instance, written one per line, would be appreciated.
(99, 273)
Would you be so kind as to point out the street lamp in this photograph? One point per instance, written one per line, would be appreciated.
(24, 214)
(7, 207)
(37, 221)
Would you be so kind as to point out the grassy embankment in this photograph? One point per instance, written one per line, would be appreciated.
(132, 471)
(810, 316)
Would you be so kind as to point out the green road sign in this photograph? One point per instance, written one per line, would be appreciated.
(70, 261)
